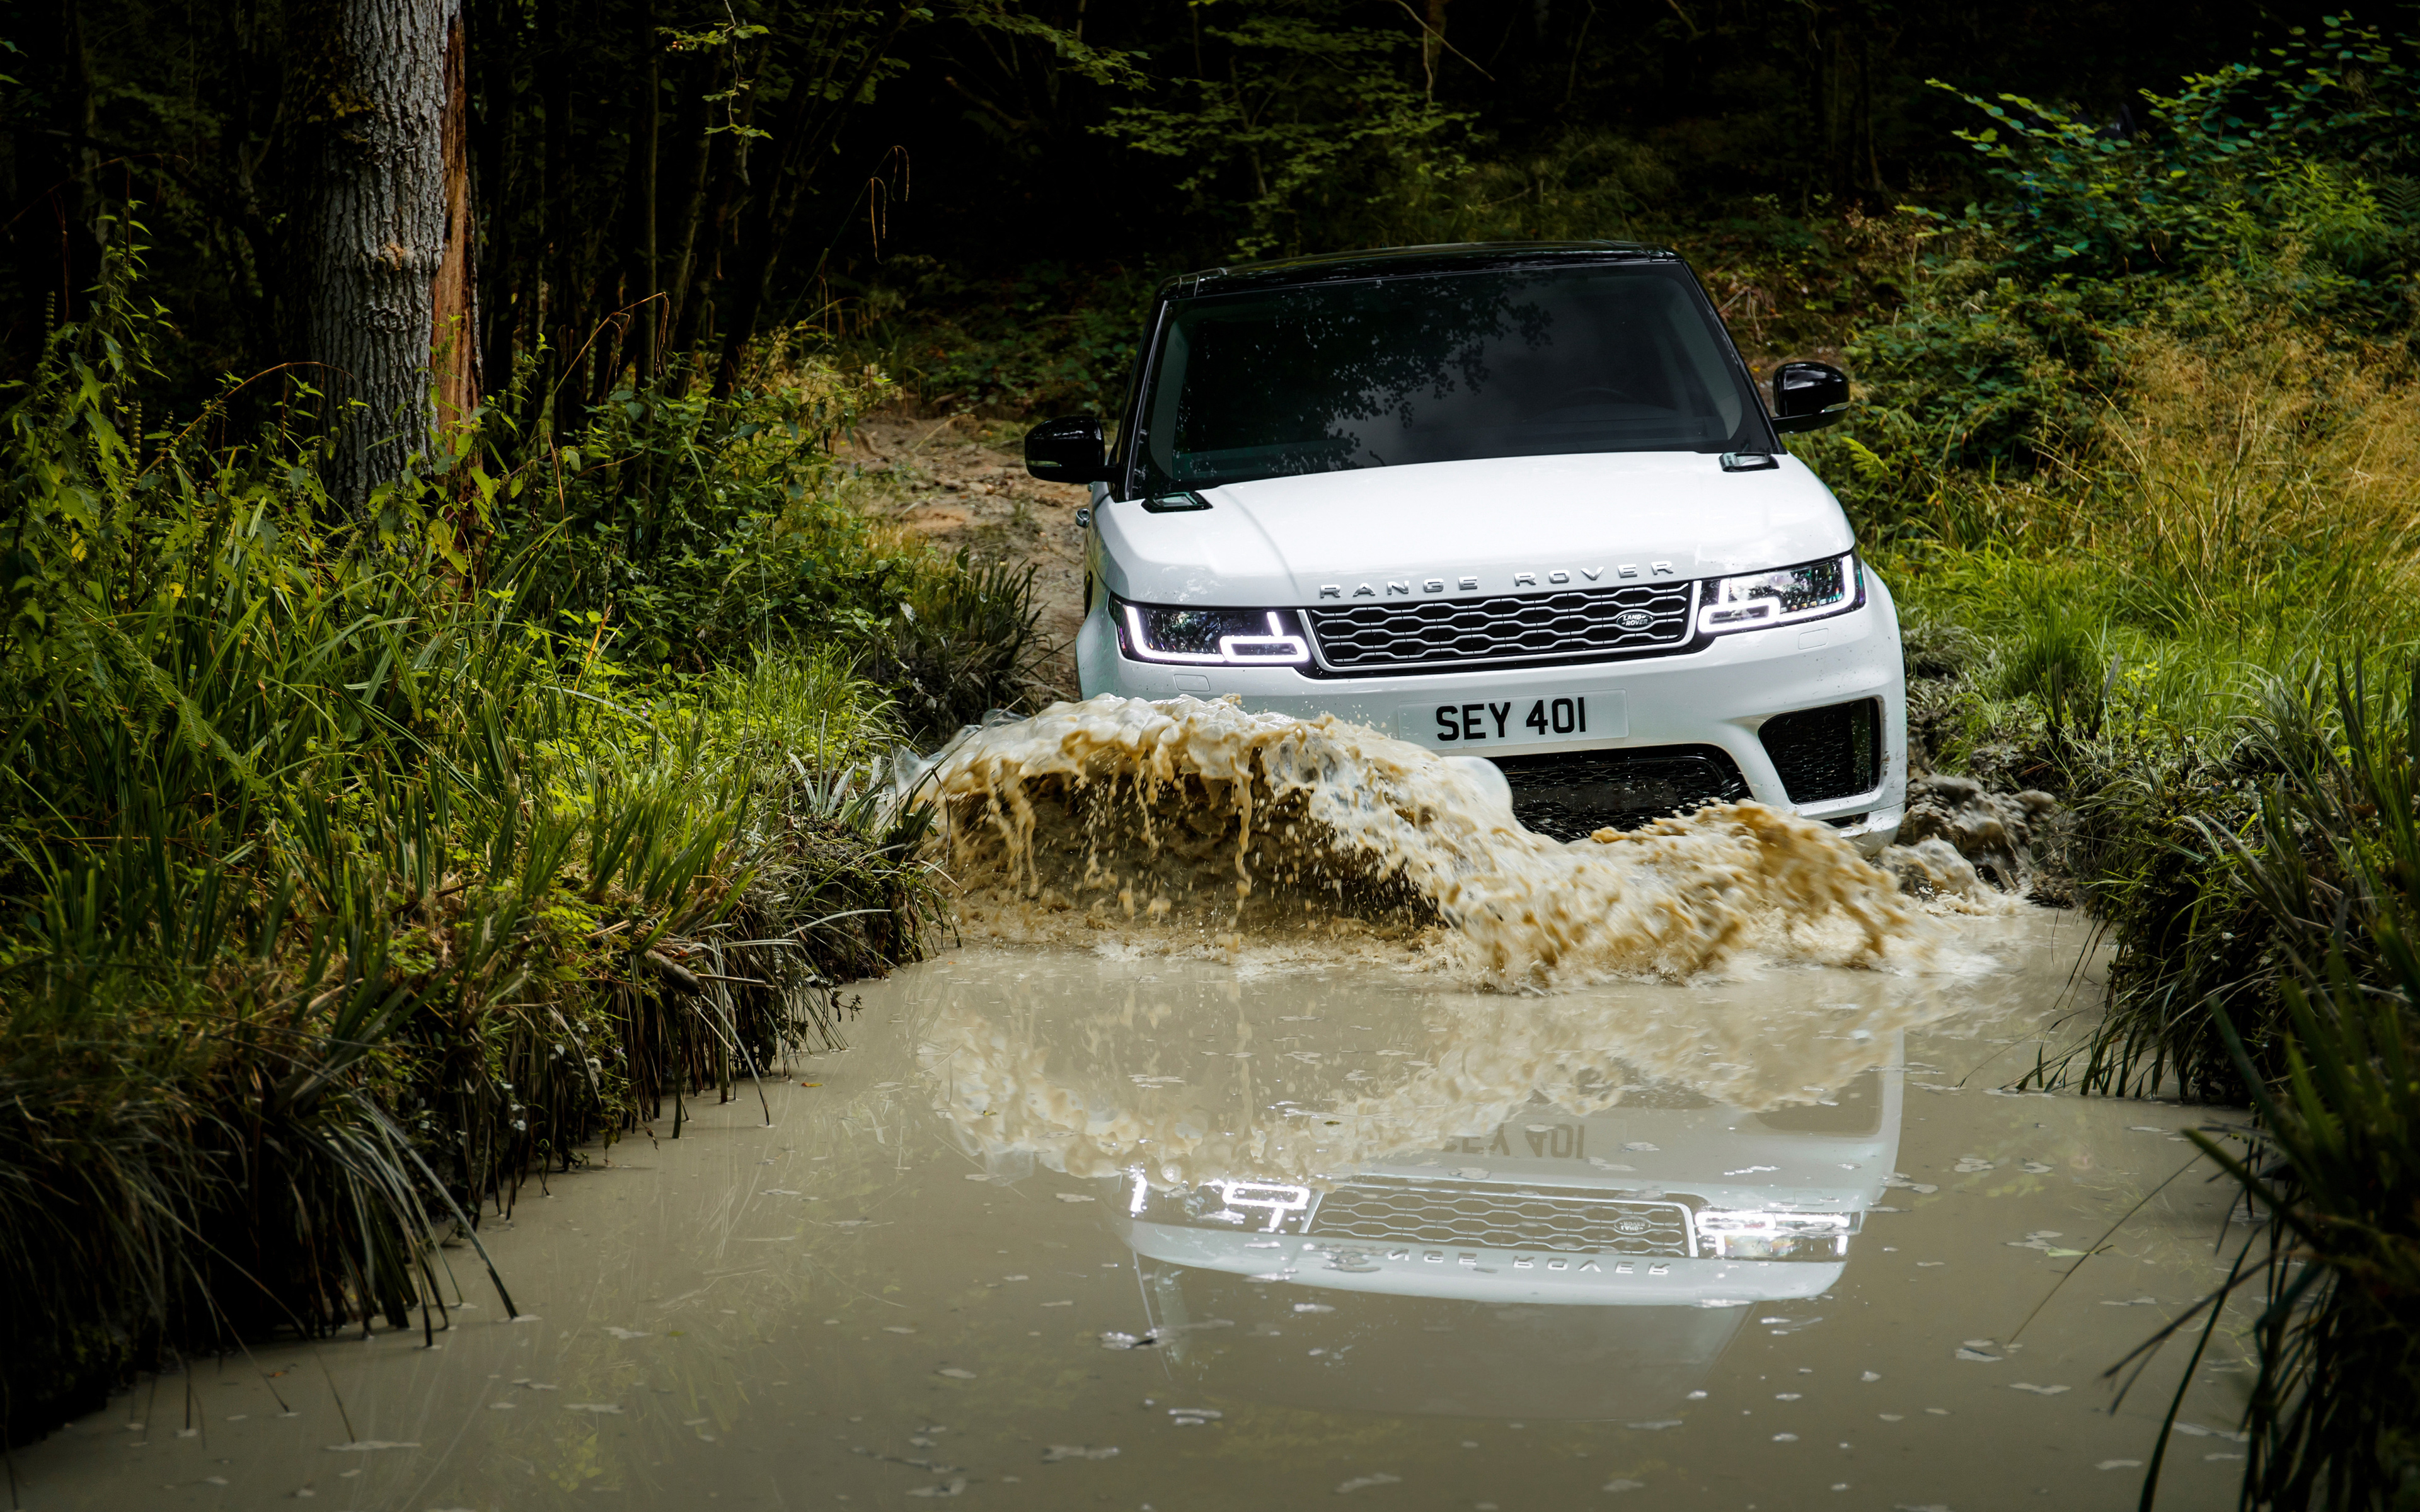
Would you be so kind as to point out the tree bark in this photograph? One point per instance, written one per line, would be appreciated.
(493, 41)
(378, 227)
(801, 142)
(650, 154)
(454, 338)
(558, 296)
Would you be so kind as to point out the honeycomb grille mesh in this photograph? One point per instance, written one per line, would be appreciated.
(1505, 628)
(1833, 752)
(1571, 795)
(1503, 1218)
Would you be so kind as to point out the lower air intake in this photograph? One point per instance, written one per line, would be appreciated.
(1831, 753)
(1572, 796)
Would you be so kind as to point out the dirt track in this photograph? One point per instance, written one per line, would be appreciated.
(961, 482)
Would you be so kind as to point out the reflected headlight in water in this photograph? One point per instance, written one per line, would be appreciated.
(1210, 636)
(1753, 1234)
(1260, 1206)
(1808, 592)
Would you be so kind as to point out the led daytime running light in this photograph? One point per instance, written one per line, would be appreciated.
(1277, 647)
(1755, 600)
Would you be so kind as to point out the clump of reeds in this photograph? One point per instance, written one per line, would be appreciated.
(341, 897)
(2322, 1034)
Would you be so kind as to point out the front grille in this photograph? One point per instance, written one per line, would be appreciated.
(1571, 795)
(1573, 1221)
(1506, 630)
(1831, 753)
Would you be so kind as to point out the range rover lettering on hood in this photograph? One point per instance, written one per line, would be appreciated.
(1469, 582)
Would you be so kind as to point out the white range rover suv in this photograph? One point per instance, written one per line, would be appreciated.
(1512, 501)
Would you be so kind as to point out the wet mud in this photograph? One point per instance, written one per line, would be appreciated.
(1105, 1225)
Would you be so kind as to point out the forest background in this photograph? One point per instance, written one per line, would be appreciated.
(449, 667)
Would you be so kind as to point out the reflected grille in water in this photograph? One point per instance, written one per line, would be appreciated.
(1503, 1218)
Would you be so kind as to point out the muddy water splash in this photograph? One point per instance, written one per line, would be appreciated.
(1188, 822)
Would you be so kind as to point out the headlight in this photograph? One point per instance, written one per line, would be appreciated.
(1211, 637)
(1738, 1234)
(1757, 599)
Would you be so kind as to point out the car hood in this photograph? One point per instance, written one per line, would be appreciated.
(1498, 526)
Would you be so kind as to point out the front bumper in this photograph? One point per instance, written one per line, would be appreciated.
(1720, 696)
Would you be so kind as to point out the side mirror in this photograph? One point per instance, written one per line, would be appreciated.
(1074, 450)
(1808, 396)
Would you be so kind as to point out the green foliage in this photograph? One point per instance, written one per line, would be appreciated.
(695, 527)
(2322, 1028)
(1305, 124)
(1051, 339)
(679, 533)
(343, 892)
(1984, 370)
(957, 649)
(2284, 187)
(2290, 172)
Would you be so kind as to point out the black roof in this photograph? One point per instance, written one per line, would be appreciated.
(1398, 262)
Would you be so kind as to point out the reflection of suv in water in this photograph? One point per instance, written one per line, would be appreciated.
(1659, 1200)
(1556, 1267)
(1516, 501)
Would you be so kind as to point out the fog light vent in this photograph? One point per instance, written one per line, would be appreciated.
(1826, 753)
(1571, 795)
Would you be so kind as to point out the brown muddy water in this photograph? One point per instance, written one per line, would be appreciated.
(1106, 1226)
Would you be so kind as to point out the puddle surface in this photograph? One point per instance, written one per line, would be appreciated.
(1078, 1228)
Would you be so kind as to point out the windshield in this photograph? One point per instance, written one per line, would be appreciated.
(1440, 368)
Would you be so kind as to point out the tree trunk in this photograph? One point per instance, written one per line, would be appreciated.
(494, 43)
(650, 153)
(697, 151)
(377, 233)
(558, 299)
(801, 142)
(453, 339)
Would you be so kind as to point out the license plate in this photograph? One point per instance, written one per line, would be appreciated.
(1538, 719)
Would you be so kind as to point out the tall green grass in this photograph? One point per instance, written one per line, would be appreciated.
(345, 891)
(2318, 1020)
